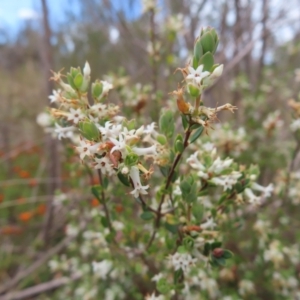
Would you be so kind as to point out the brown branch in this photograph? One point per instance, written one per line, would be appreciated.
(290, 170)
(40, 288)
(51, 144)
(153, 42)
(103, 202)
(38, 263)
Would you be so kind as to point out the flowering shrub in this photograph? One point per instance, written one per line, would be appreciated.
(180, 195)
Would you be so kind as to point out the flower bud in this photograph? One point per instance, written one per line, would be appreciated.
(218, 252)
(217, 72)
(89, 130)
(209, 40)
(86, 70)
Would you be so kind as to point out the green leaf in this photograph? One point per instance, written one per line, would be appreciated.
(207, 60)
(198, 52)
(96, 191)
(195, 63)
(207, 42)
(173, 228)
(179, 147)
(124, 179)
(105, 182)
(178, 276)
(89, 130)
(206, 249)
(220, 261)
(185, 187)
(198, 211)
(163, 286)
(174, 176)
(104, 222)
(78, 80)
(227, 254)
(167, 123)
(161, 139)
(192, 196)
(222, 199)
(195, 126)
(215, 245)
(181, 249)
(70, 81)
(196, 134)
(185, 122)
(164, 170)
(188, 243)
(97, 88)
(147, 215)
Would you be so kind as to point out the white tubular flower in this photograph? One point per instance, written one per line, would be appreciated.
(219, 165)
(157, 277)
(295, 125)
(182, 261)
(246, 287)
(119, 145)
(67, 87)
(99, 109)
(150, 129)
(86, 70)
(75, 115)
(196, 76)
(138, 188)
(106, 87)
(252, 198)
(217, 72)
(105, 165)
(86, 149)
(266, 191)
(209, 224)
(227, 181)
(110, 131)
(140, 130)
(55, 97)
(145, 151)
(64, 132)
(102, 268)
(94, 119)
(44, 119)
(194, 162)
(71, 230)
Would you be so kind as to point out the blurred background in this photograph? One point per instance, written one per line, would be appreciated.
(259, 47)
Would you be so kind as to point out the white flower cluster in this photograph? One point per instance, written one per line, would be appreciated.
(107, 140)
(182, 261)
(199, 79)
(223, 172)
(274, 253)
(216, 170)
(101, 269)
(229, 140)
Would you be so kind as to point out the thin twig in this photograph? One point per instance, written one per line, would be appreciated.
(153, 42)
(39, 263)
(169, 179)
(290, 170)
(103, 202)
(41, 288)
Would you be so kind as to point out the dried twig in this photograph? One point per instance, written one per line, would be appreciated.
(38, 263)
(40, 288)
